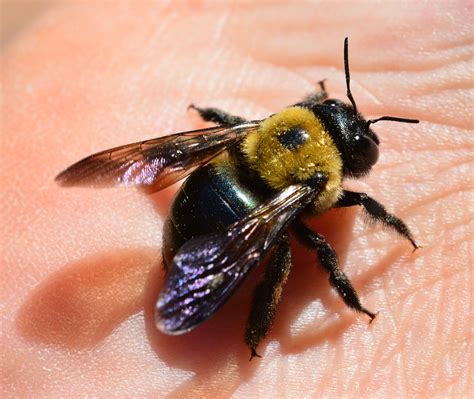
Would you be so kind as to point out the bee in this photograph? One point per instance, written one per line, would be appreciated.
(250, 182)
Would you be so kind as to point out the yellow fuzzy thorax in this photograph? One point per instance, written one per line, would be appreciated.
(280, 167)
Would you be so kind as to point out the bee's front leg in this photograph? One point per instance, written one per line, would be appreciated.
(377, 212)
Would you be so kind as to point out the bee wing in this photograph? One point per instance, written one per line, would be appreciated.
(207, 269)
(155, 163)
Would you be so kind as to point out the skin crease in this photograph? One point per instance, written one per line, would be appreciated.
(81, 269)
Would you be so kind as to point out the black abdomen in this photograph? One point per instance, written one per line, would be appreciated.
(210, 199)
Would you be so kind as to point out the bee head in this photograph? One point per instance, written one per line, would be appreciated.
(351, 132)
(356, 141)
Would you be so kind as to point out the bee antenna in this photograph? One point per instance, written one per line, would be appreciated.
(348, 75)
(393, 119)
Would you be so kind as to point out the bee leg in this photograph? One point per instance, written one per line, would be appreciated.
(267, 295)
(377, 213)
(315, 98)
(217, 116)
(328, 260)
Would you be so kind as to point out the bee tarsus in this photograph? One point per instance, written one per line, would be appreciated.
(253, 353)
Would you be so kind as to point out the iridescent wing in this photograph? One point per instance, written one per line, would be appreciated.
(207, 269)
(155, 163)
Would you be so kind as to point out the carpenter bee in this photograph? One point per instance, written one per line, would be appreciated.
(249, 184)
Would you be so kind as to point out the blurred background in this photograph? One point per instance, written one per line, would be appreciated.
(16, 14)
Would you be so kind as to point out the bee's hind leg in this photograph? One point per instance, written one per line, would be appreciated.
(315, 98)
(267, 295)
(328, 259)
(218, 116)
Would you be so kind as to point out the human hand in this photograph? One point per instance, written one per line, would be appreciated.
(81, 267)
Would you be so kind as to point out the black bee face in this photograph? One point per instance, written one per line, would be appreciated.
(351, 133)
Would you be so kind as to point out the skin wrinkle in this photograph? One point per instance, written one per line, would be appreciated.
(438, 59)
(431, 283)
(410, 210)
(451, 165)
(454, 341)
(438, 329)
(464, 224)
(454, 120)
(434, 76)
(447, 328)
(38, 121)
(395, 350)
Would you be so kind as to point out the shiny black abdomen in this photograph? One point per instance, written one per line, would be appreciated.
(211, 198)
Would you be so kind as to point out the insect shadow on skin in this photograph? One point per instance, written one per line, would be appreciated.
(78, 307)
(250, 183)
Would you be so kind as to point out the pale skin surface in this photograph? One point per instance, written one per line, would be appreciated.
(81, 269)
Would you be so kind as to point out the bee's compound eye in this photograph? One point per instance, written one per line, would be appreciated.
(293, 138)
(366, 150)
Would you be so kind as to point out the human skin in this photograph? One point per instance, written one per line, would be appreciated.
(81, 268)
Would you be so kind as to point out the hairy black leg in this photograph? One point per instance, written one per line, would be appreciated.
(377, 213)
(328, 260)
(217, 116)
(267, 295)
(315, 98)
